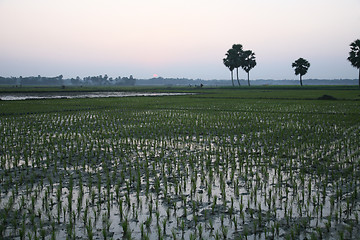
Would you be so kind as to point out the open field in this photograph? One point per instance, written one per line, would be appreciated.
(249, 163)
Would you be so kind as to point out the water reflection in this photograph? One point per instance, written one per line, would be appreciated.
(68, 95)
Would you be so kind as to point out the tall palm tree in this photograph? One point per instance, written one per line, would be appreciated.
(301, 67)
(230, 62)
(248, 62)
(238, 61)
(354, 55)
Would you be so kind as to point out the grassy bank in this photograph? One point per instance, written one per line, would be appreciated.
(203, 96)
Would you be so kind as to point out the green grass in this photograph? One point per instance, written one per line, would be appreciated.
(204, 97)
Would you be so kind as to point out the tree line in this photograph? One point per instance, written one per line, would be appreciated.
(60, 81)
(236, 57)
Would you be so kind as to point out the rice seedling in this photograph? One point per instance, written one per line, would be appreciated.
(263, 164)
(89, 230)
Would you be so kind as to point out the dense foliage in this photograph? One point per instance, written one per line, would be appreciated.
(237, 57)
(301, 66)
(354, 55)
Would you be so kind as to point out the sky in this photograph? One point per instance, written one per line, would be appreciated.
(176, 38)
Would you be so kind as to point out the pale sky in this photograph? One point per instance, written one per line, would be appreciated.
(175, 38)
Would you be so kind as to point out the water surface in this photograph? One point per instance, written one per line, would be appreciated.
(69, 95)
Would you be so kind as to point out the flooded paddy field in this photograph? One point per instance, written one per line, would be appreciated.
(70, 95)
(180, 167)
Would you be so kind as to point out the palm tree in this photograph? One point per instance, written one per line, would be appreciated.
(238, 61)
(230, 62)
(248, 62)
(301, 67)
(354, 55)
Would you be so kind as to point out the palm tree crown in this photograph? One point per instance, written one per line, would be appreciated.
(237, 57)
(354, 55)
(238, 61)
(301, 67)
(248, 62)
(230, 62)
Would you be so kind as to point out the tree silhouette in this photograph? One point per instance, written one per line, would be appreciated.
(230, 62)
(238, 61)
(237, 57)
(301, 67)
(248, 62)
(354, 55)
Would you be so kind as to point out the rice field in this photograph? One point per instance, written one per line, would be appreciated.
(203, 166)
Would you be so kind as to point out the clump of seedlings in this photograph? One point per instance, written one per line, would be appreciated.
(255, 170)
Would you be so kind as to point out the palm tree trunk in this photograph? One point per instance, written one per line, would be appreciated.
(248, 78)
(300, 80)
(232, 78)
(237, 75)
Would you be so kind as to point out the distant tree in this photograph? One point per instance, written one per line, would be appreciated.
(248, 62)
(130, 81)
(60, 79)
(354, 55)
(230, 62)
(238, 60)
(76, 81)
(301, 67)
